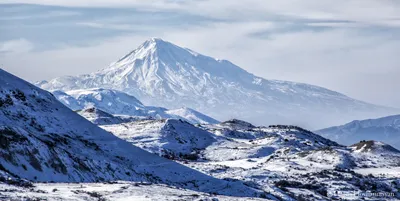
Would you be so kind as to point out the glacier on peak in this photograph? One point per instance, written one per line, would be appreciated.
(163, 74)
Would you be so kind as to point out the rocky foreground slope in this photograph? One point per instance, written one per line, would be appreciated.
(41, 140)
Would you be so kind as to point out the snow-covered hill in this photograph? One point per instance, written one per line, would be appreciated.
(119, 103)
(375, 154)
(170, 138)
(42, 140)
(163, 74)
(191, 116)
(287, 161)
(374, 147)
(386, 129)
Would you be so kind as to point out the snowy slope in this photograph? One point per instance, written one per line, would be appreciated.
(119, 103)
(170, 138)
(286, 161)
(247, 141)
(374, 147)
(376, 158)
(192, 116)
(42, 140)
(163, 74)
(386, 129)
(115, 191)
(100, 117)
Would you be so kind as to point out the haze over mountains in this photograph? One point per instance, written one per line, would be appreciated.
(120, 103)
(162, 74)
(385, 129)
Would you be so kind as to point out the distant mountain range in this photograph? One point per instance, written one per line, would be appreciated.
(386, 129)
(162, 74)
(119, 103)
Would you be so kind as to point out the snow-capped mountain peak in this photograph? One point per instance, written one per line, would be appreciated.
(150, 46)
(163, 74)
(167, 61)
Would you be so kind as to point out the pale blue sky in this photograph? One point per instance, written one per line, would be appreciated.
(348, 46)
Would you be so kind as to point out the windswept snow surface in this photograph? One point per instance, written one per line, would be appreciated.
(163, 74)
(119, 103)
(115, 191)
(42, 140)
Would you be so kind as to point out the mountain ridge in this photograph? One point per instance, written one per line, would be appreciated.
(385, 129)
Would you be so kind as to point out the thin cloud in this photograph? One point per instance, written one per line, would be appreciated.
(148, 4)
(107, 26)
(16, 46)
(51, 14)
